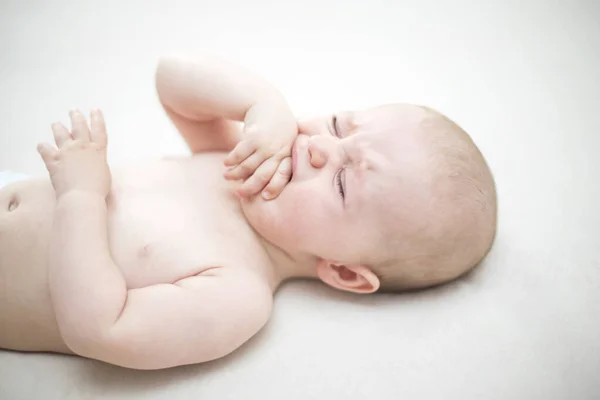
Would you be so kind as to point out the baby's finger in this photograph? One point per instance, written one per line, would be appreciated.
(98, 128)
(260, 178)
(280, 179)
(246, 168)
(47, 152)
(242, 150)
(61, 134)
(79, 126)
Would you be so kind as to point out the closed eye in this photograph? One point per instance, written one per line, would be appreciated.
(340, 182)
(335, 127)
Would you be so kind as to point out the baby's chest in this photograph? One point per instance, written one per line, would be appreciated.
(169, 225)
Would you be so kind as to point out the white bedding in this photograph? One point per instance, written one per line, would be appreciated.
(523, 80)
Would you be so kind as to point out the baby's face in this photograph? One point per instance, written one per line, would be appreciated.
(349, 170)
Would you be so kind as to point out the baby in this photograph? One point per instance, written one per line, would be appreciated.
(176, 261)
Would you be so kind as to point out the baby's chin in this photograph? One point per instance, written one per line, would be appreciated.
(263, 211)
(264, 216)
(257, 209)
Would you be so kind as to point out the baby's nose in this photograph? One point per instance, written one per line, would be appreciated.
(322, 149)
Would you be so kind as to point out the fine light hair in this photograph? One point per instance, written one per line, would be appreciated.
(462, 221)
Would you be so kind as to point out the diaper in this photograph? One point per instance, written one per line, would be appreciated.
(8, 177)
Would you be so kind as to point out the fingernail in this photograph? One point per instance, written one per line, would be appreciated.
(266, 195)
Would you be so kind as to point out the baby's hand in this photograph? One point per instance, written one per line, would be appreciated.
(262, 157)
(78, 162)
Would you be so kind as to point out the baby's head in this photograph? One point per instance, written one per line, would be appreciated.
(391, 198)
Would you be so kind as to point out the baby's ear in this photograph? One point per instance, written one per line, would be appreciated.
(351, 278)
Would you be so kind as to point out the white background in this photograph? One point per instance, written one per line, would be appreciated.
(523, 78)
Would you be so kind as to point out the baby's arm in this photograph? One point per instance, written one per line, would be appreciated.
(205, 98)
(192, 320)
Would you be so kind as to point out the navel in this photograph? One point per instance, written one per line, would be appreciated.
(13, 203)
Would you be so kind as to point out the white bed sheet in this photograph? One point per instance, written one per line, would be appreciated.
(522, 79)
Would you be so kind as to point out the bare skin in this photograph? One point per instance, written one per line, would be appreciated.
(149, 234)
(105, 264)
(108, 263)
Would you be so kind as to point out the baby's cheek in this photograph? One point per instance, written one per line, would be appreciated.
(301, 205)
(301, 212)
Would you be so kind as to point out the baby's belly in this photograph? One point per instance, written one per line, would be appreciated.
(26, 317)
